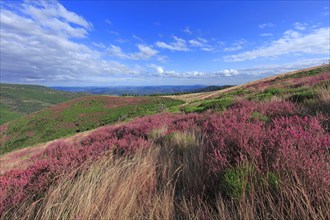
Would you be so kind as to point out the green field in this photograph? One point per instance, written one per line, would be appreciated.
(18, 100)
(78, 115)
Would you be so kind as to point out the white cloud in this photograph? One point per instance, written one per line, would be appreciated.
(56, 18)
(238, 45)
(243, 74)
(99, 45)
(266, 35)
(196, 43)
(300, 26)
(36, 45)
(138, 38)
(200, 43)
(187, 30)
(316, 42)
(179, 44)
(272, 69)
(230, 72)
(158, 69)
(265, 25)
(145, 52)
(183, 45)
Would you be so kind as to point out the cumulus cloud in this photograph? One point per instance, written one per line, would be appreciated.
(145, 52)
(158, 69)
(56, 18)
(230, 72)
(178, 44)
(242, 74)
(315, 42)
(37, 46)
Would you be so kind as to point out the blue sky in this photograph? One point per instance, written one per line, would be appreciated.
(110, 43)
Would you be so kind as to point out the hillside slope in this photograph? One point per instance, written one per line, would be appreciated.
(258, 152)
(301, 86)
(280, 78)
(75, 116)
(18, 100)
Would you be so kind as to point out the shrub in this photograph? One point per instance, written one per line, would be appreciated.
(197, 154)
(301, 96)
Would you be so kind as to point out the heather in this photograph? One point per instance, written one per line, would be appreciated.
(76, 116)
(302, 87)
(256, 160)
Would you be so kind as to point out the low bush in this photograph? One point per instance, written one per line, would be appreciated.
(182, 166)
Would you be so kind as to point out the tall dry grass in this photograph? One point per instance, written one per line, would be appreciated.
(170, 181)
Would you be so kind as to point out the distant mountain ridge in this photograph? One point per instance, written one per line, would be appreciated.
(132, 90)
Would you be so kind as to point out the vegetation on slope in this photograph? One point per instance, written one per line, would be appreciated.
(302, 87)
(176, 166)
(75, 116)
(18, 100)
(257, 152)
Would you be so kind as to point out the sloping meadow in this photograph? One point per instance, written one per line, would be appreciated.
(76, 116)
(253, 161)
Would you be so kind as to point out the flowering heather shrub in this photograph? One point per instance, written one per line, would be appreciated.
(309, 81)
(287, 144)
(301, 145)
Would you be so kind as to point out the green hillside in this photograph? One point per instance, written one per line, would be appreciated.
(17, 100)
(75, 116)
(308, 88)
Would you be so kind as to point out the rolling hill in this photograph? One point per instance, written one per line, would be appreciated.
(255, 151)
(18, 100)
(75, 116)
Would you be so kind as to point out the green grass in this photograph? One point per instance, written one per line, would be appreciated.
(259, 116)
(79, 115)
(6, 115)
(267, 94)
(237, 181)
(219, 104)
(18, 100)
(307, 73)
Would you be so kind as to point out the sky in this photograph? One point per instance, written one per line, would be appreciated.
(138, 43)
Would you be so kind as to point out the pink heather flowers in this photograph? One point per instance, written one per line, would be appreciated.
(286, 143)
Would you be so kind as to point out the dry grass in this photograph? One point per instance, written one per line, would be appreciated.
(323, 94)
(206, 95)
(168, 181)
